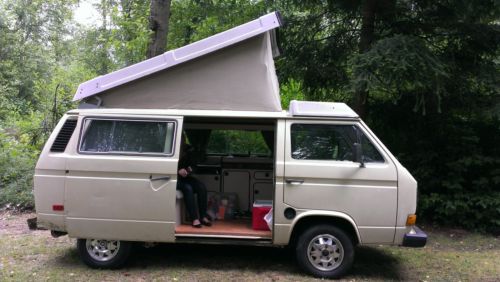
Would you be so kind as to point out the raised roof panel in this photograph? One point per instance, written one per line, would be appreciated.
(321, 109)
(232, 70)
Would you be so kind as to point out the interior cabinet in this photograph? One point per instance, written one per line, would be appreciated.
(211, 181)
(262, 191)
(238, 181)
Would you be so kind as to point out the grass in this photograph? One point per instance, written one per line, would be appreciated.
(450, 255)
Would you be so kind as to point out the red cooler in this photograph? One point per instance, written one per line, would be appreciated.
(259, 210)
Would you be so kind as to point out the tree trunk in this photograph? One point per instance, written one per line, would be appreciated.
(104, 62)
(158, 24)
(368, 10)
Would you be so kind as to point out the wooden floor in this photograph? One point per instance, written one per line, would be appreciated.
(220, 228)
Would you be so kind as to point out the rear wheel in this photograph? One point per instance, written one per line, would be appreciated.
(103, 253)
(325, 251)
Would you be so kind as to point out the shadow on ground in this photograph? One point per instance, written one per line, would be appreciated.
(370, 263)
(375, 263)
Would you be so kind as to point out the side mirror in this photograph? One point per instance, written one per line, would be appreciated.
(358, 154)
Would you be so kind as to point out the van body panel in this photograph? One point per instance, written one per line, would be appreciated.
(343, 195)
(53, 191)
(114, 229)
(400, 234)
(48, 183)
(283, 232)
(344, 186)
(407, 190)
(116, 196)
(376, 234)
(281, 225)
(52, 221)
(407, 198)
(120, 195)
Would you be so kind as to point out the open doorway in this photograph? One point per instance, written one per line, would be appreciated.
(235, 161)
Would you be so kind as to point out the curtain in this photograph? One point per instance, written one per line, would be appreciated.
(198, 138)
(268, 136)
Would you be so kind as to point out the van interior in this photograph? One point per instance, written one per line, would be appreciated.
(235, 160)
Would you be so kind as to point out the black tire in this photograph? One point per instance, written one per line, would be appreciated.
(334, 248)
(103, 253)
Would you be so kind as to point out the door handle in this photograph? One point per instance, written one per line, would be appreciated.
(159, 178)
(295, 181)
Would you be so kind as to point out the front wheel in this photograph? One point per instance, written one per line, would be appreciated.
(103, 253)
(325, 251)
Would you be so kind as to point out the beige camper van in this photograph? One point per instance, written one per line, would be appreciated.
(108, 173)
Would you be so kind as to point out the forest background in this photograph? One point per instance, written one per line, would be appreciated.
(424, 74)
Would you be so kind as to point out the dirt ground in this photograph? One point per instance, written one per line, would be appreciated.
(15, 223)
(450, 255)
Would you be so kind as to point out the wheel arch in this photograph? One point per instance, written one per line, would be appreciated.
(311, 218)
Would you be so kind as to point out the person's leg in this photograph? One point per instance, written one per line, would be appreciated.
(201, 191)
(188, 193)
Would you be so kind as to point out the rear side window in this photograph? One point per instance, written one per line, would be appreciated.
(127, 136)
(330, 142)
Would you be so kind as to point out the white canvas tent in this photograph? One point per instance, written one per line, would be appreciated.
(232, 70)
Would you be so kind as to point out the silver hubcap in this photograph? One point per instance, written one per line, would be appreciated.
(102, 250)
(325, 252)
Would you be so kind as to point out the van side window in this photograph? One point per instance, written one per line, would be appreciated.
(127, 136)
(329, 142)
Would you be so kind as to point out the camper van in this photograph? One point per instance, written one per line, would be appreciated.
(313, 177)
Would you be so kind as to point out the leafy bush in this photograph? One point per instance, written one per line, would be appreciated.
(455, 159)
(16, 176)
(19, 151)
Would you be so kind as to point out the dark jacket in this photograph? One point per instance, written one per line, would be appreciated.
(187, 157)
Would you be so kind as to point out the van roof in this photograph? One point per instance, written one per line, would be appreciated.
(232, 70)
(297, 109)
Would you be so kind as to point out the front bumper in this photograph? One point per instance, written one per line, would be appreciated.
(416, 238)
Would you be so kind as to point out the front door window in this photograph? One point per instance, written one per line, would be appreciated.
(330, 142)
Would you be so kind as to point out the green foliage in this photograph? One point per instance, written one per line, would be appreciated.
(34, 56)
(317, 41)
(399, 65)
(32, 37)
(130, 34)
(455, 159)
(193, 20)
(18, 155)
(237, 142)
(431, 76)
(290, 90)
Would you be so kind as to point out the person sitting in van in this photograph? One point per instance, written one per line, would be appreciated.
(190, 186)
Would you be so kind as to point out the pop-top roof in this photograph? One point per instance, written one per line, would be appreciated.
(321, 109)
(232, 70)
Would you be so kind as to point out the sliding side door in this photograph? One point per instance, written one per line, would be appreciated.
(121, 178)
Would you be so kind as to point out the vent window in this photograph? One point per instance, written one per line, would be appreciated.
(64, 135)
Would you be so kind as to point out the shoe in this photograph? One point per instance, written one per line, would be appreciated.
(197, 225)
(206, 222)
